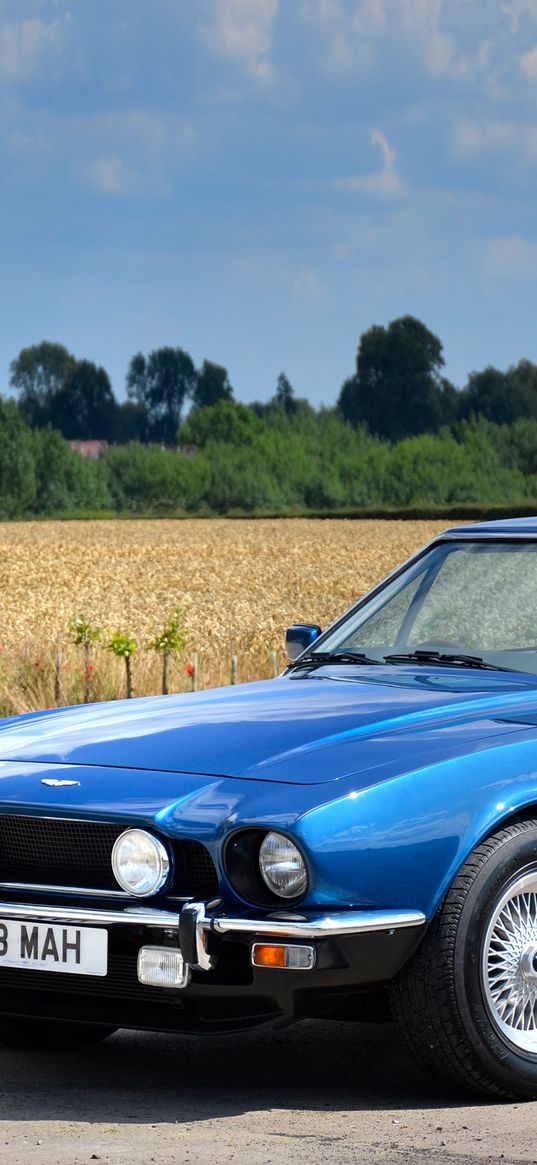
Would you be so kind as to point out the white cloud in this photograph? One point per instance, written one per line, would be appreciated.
(421, 21)
(352, 33)
(135, 151)
(110, 175)
(341, 49)
(469, 139)
(515, 9)
(24, 44)
(528, 64)
(386, 183)
(307, 284)
(511, 256)
(241, 31)
(154, 134)
(472, 140)
(372, 16)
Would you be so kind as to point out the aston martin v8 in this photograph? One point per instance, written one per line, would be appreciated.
(355, 839)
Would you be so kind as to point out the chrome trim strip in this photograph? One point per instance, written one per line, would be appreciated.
(317, 926)
(80, 891)
(90, 916)
(7, 811)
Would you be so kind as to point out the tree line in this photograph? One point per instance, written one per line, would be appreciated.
(396, 390)
(400, 435)
(235, 461)
(76, 397)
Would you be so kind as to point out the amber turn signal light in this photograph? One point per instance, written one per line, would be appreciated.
(283, 956)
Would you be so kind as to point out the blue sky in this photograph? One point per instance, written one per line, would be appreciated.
(259, 181)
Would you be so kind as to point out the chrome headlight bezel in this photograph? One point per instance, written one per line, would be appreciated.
(241, 862)
(289, 854)
(159, 858)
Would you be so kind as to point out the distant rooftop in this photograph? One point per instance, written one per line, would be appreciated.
(90, 449)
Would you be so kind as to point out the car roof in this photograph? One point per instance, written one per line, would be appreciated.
(505, 527)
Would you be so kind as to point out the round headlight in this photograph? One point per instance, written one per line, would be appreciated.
(282, 866)
(140, 863)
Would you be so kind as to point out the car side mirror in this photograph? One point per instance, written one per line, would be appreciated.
(299, 637)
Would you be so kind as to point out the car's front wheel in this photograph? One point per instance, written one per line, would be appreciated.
(466, 1003)
(48, 1035)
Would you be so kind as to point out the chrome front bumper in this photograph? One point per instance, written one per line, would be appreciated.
(196, 921)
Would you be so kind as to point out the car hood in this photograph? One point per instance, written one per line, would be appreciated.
(331, 724)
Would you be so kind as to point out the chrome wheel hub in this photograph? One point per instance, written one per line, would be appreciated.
(509, 963)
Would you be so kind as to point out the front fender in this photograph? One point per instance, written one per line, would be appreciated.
(402, 841)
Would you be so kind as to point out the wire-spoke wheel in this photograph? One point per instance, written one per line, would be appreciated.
(509, 963)
(466, 1002)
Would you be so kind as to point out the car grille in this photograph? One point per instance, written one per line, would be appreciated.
(64, 852)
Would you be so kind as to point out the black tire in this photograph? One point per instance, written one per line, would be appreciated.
(445, 998)
(51, 1035)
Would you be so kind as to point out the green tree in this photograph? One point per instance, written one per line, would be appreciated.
(501, 397)
(18, 485)
(516, 444)
(171, 641)
(285, 395)
(64, 479)
(160, 383)
(228, 421)
(284, 403)
(146, 477)
(85, 634)
(85, 406)
(38, 374)
(398, 389)
(131, 423)
(124, 646)
(212, 386)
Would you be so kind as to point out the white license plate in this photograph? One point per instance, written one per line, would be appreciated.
(36, 946)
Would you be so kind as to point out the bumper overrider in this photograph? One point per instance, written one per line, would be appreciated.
(238, 969)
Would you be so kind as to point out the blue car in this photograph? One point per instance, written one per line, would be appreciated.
(356, 839)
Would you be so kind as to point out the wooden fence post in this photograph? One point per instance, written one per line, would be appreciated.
(234, 668)
(58, 675)
(195, 672)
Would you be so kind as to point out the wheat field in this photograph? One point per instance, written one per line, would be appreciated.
(241, 584)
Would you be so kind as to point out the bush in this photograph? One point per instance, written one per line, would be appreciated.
(65, 480)
(146, 477)
(18, 481)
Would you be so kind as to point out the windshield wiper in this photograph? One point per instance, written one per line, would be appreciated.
(457, 658)
(319, 657)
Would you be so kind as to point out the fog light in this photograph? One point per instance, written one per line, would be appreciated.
(283, 956)
(162, 967)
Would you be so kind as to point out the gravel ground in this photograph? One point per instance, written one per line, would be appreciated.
(314, 1093)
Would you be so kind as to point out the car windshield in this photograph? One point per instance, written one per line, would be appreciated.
(459, 598)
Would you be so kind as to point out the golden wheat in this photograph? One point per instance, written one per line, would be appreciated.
(241, 583)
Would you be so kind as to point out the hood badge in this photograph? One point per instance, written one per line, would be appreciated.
(59, 784)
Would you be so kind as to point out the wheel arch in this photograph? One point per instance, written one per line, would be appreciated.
(525, 811)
